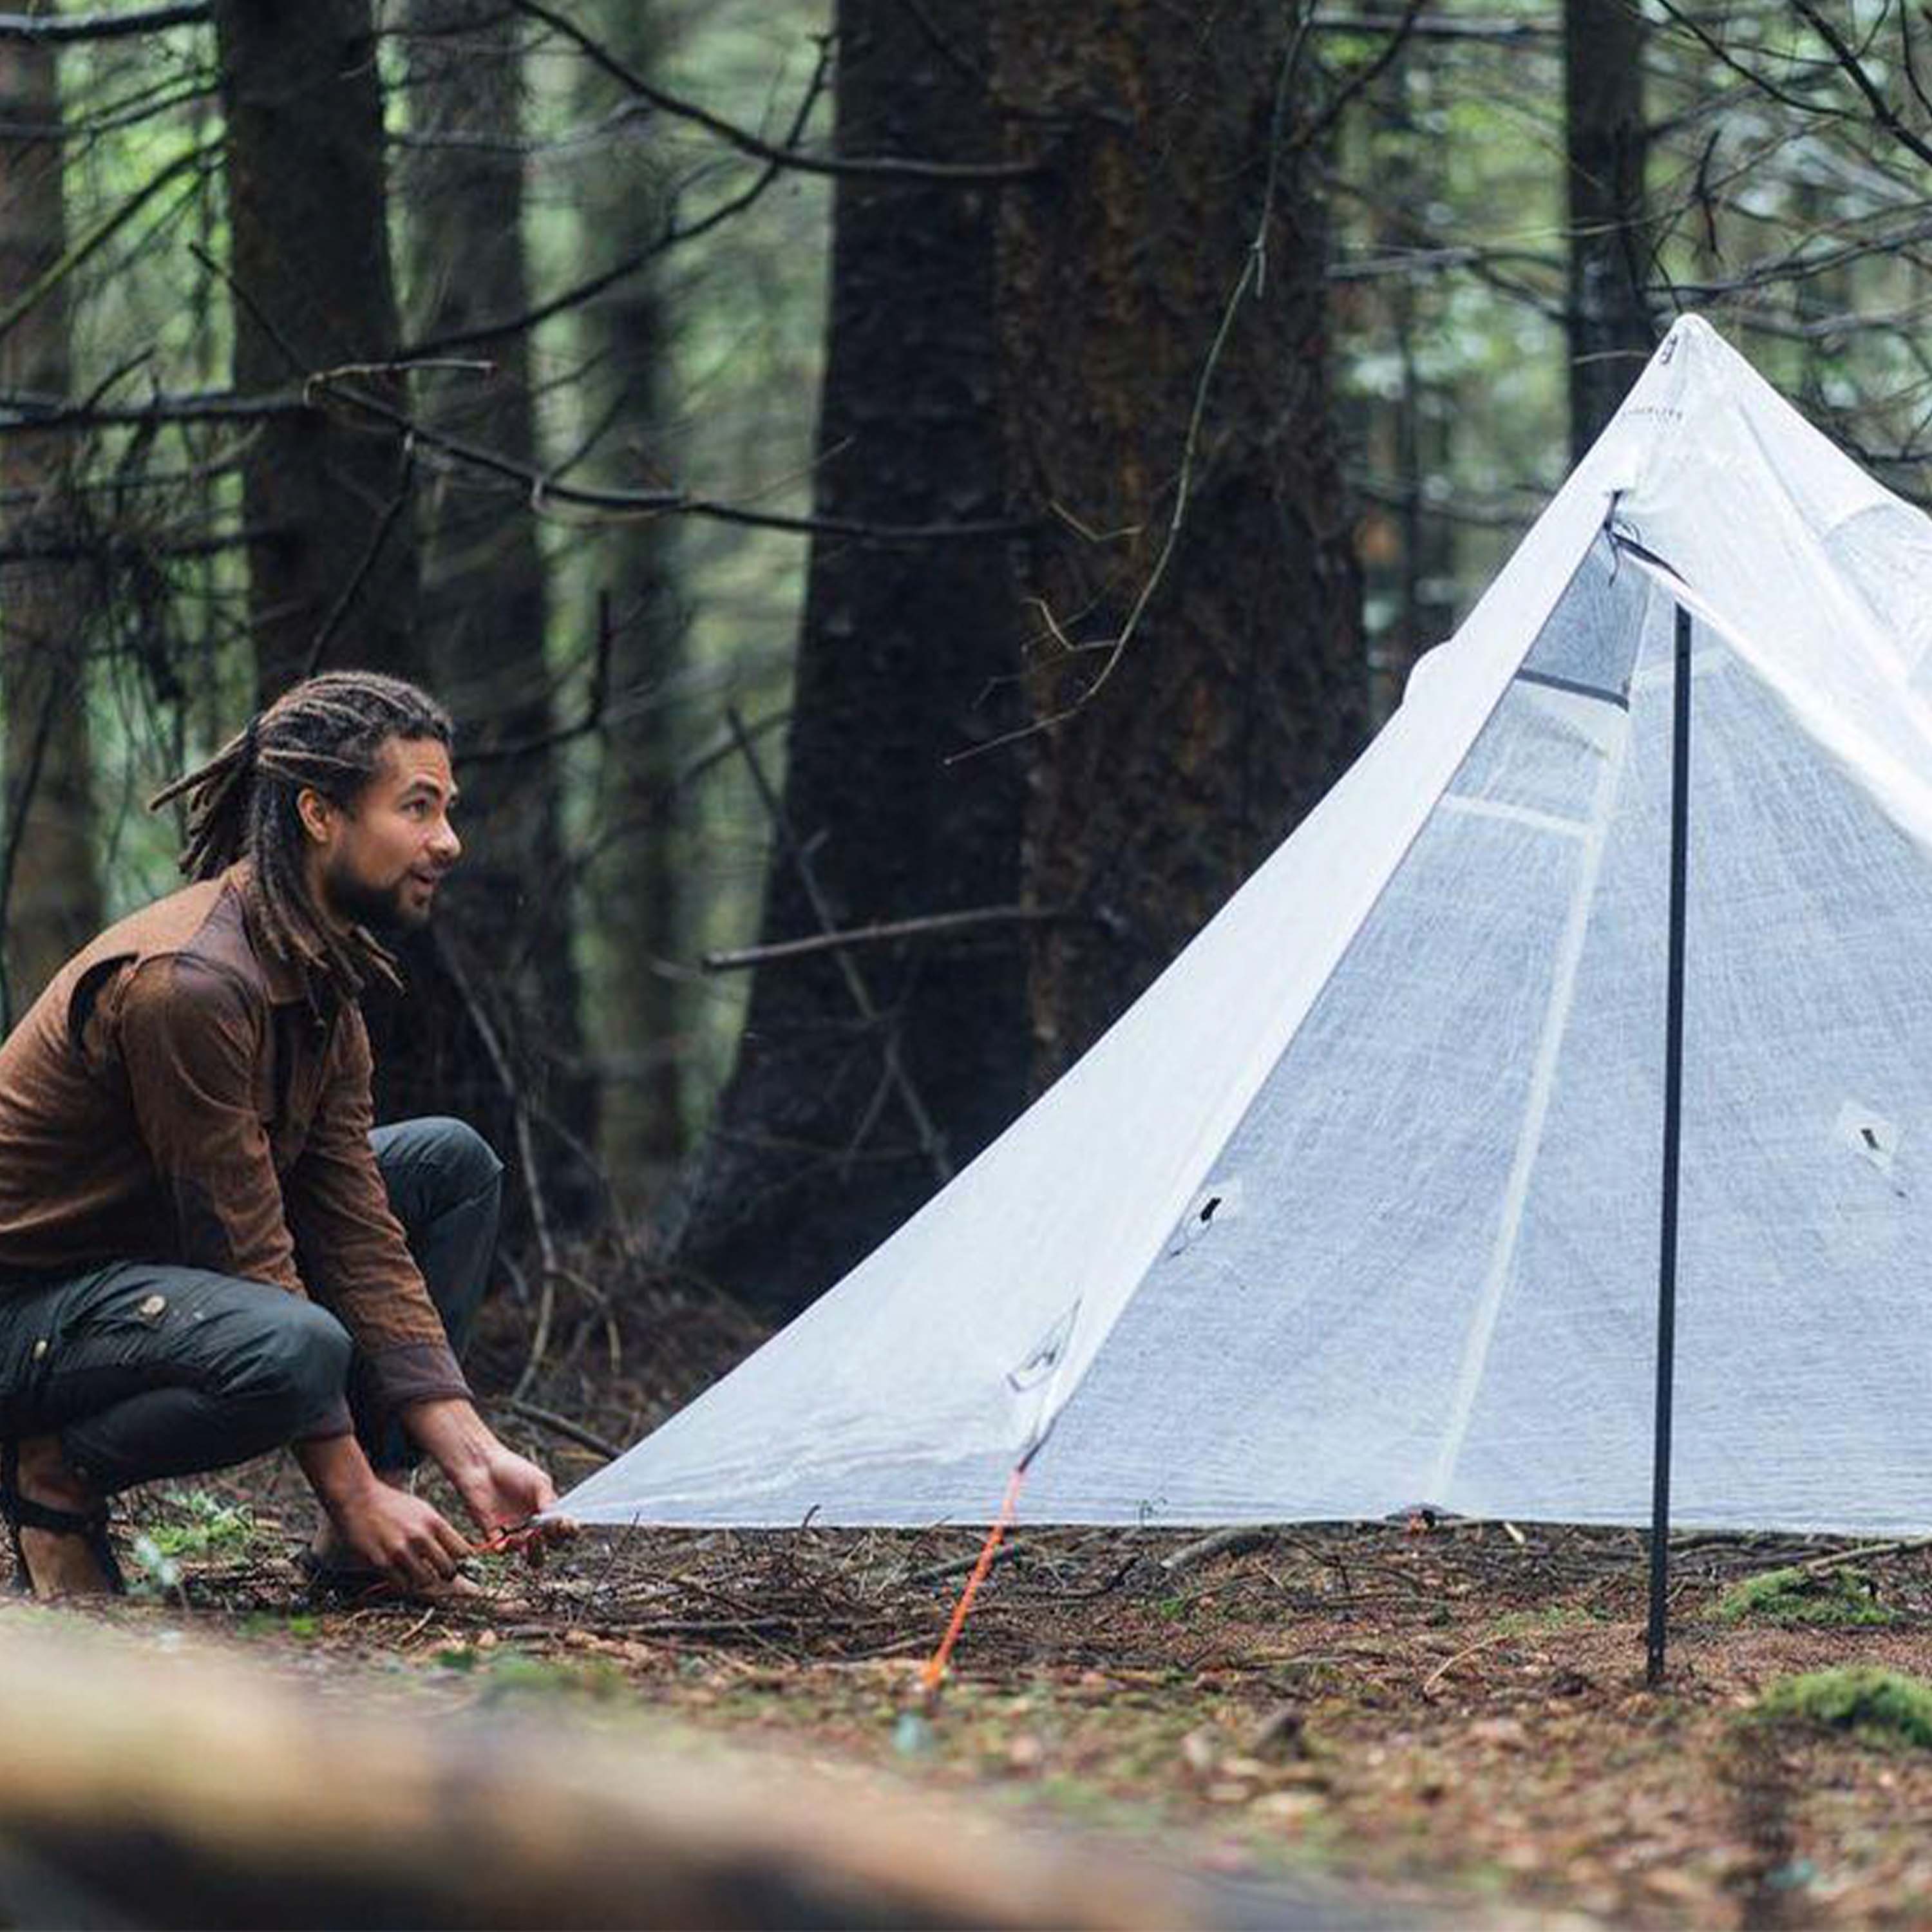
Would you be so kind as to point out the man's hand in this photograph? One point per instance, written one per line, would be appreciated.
(401, 1534)
(501, 1489)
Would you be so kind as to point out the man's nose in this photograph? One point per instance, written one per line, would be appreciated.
(446, 845)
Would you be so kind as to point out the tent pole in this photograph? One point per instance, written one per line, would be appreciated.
(1673, 1107)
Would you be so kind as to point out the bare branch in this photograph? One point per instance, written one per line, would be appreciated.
(99, 235)
(379, 541)
(880, 167)
(1854, 70)
(55, 30)
(929, 926)
(545, 488)
(594, 286)
(931, 1142)
(1400, 30)
(594, 708)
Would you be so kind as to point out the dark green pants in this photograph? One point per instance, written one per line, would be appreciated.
(148, 1370)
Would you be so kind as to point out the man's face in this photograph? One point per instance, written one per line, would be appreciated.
(382, 858)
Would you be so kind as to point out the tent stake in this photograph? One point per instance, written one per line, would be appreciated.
(1673, 1100)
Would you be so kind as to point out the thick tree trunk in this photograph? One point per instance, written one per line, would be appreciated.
(336, 580)
(1611, 333)
(639, 1014)
(1243, 690)
(484, 604)
(849, 1103)
(53, 903)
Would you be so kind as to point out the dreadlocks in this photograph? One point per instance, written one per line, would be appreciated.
(324, 734)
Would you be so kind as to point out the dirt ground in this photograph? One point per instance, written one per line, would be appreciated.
(1452, 1715)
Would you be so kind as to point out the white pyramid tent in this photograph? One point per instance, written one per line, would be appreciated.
(1357, 1207)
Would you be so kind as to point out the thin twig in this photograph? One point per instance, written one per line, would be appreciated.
(599, 698)
(52, 30)
(882, 167)
(931, 1142)
(526, 1159)
(1254, 269)
(98, 236)
(562, 1425)
(1883, 112)
(378, 541)
(883, 933)
(594, 286)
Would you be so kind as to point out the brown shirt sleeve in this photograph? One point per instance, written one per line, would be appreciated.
(189, 1037)
(359, 1265)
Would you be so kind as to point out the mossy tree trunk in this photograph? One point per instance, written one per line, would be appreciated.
(1611, 332)
(53, 903)
(334, 578)
(841, 1117)
(1241, 690)
(640, 1012)
(485, 606)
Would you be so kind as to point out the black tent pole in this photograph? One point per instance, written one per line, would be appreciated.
(1673, 1108)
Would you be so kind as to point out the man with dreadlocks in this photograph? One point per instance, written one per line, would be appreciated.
(205, 1252)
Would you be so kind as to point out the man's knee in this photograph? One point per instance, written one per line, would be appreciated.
(455, 1162)
(296, 1364)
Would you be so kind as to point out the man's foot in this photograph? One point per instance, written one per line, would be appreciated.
(332, 1572)
(74, 1560)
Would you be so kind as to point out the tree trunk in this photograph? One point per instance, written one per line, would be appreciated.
(1242, 691)
(52, 897)
(484, 604)
(1611, 335)
(639, 1014)
(335, 583)
(850, 1103)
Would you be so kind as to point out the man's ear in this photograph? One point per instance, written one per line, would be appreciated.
(317, 814)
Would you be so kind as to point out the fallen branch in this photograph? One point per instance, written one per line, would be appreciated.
(1222, 1543)
(131, 1795)
(561, 1425)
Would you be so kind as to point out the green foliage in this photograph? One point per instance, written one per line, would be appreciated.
(301, 1624)
(1877, 1706)
(512, 1674)
(1552, 1617)
(205, 1526)
(1788, 1598)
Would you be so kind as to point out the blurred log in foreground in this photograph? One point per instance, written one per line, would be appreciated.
(137, 1789)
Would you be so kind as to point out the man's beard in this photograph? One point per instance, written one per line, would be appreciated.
(379, 908)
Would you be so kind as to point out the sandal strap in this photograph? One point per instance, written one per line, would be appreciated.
(19, 1513)
(25, 1514)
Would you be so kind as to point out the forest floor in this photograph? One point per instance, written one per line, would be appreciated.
(1448, 1716)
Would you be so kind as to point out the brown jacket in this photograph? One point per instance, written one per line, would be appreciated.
(179, 1094)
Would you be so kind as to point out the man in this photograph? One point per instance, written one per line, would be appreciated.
(205, 1251)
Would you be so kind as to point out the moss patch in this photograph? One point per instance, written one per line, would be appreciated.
(1789, 1597)
(1875, 1706)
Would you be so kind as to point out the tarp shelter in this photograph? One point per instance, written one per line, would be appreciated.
(1357, 1207)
